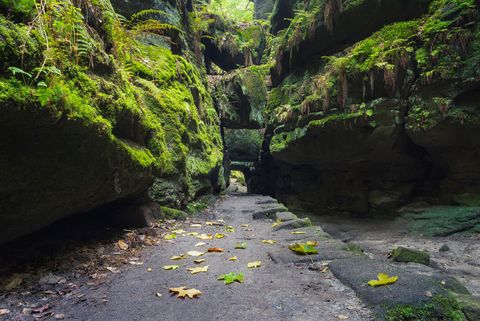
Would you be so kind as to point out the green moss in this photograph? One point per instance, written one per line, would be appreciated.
(281, 141)
(151, 104)
(440, 308)
(173, 214)
(402, 254)
(354, 248)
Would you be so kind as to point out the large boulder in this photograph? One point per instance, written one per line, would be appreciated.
(377, 125)
(96, 122)
(445, 120)
(353, 154)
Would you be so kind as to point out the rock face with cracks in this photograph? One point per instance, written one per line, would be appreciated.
(368, 121)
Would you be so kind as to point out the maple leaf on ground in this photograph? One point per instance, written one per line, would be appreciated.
(170, 267)
(312, 243)
(199, 269)
(297, 232)
(269, 241)
(230, 229)
(254, 264)
(199, 261)
(192, 233)
(184, 291)
(200, 244)
(195, 225)
(231, 277)
(242, 245)
(179, 231)
(233, 258)
(383, 279)
(303, 248)
(215, 249)
(219, 236)
(245, 225)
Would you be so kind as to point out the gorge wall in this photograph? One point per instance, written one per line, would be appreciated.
(329, 105)
(101, 102)
(375, 104)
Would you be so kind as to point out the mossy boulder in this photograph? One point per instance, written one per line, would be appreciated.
(171, 213)
(406, 255)
(96, 121)
(393, 103)
(443, 220)
(340, 151)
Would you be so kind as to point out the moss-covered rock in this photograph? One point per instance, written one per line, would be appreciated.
(443, 220)
(378, 122)
(439, 308)
(171, 213)
(94, 110)
(406, 255)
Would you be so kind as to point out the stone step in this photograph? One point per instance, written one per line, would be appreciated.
(284, 216)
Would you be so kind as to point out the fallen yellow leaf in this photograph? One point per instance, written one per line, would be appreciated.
(219, 236)
(178, 257)
(209, 223)
(192, 233)
(195, 253)
(245, 225)
(122, 245)
(277, 223)
(269, 241)
(383, 279)
(195, 225)
(312, 243)
(170, 236)
(254, 264)
(184, 291)
(199, 269)
(297, 232)
(233, 258)
(179, 231)
(198, 261)
(170, 267)
(200, 244)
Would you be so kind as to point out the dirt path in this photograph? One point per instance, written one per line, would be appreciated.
(101, 280)
(272, 292)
